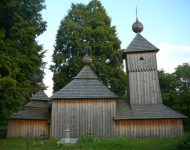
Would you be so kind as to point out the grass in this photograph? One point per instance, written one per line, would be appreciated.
(118, 143)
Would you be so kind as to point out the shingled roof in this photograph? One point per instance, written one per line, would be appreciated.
(85, 85)
(40, 95)
(153, 111)
(39, 104)
(139, 44)
(32, 109)
(35, 114)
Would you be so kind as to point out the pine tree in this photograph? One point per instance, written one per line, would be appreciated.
(87, 28)
(21, 65)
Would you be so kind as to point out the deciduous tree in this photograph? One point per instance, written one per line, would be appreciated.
(88, 27)
(175, 89)
(182, 74)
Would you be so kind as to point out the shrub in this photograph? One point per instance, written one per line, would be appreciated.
(85, 139)
(184, 144)
(3, 133)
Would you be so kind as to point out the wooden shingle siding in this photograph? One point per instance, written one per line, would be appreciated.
(19, 128)
(143, 85)
(152, 128)
(135, 64)
(88, 114)
(144, 88)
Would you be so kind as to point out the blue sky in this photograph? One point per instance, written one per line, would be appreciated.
(166, 25)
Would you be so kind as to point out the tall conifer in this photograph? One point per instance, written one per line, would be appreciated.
(21, 65)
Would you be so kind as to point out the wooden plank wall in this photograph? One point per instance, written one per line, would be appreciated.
(89, 114)
(148, 64)
(19, 128)
(155, 128)
(144, 88)
(143, 84)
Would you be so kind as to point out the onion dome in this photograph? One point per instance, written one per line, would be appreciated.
(42, 86)
(137, 26)
(87, 60)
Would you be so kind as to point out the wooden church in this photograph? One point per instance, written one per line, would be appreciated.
(35, 118)
(89, 107)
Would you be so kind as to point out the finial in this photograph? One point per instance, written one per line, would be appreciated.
(87, 60)
(42, 86)
(136, 14)
(137, 27)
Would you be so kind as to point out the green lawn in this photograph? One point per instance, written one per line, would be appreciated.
(109, 143)
(94, 143)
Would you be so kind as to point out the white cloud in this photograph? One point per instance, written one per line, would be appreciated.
(170, 48)
(48, 74)
(169, 56)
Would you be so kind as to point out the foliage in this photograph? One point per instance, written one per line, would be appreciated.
(184, 144)
(124, 96)
(21, 65)
(168, 85)
(4, 124)
(182, 74)
(175, 88)
(85, 139)
(88, 27)
(3, 133)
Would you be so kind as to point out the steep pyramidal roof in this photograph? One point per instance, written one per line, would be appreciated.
(37, 109)
(86, 73)
(85, 85)
(40, 95)
(139, 44)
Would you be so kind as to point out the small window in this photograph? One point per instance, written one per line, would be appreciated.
(141, 58)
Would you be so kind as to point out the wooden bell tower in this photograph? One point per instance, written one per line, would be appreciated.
(141, 68)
